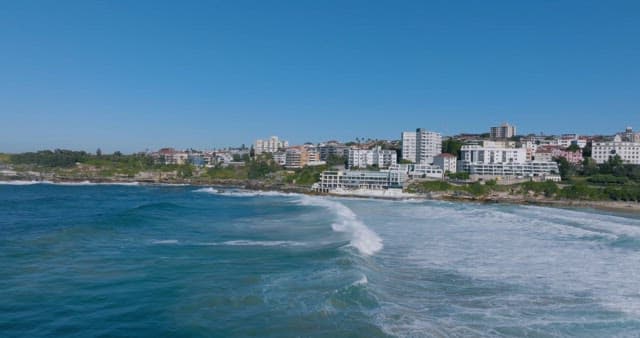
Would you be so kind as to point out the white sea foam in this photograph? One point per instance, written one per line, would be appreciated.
(19, 182)
(165, 241)
(552, 252)
(88, 183)
(246, 242)
(362, 238)
(361, 281)
(208, 190)
(243, 193)
(262, 243)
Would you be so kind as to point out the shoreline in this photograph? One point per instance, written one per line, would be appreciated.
(632, 208)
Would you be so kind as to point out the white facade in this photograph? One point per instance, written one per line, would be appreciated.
(407, 171)
(428, 145)
(280, 157)
(507, 169)
(421, 146)
(409, 146)
(362, 158)
(503, 131)
(475, 153)
(446, 162)
(352, 180)
(270, 145)
(629, 152)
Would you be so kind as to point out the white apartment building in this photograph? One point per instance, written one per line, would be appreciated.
(421, 146)
(403, 172)
(447, 162)
(509, 169)
(629, 152)
(352, 180)
(362, 158)
(492, 153)
(503, 131)
(270, 145)
(280, 157)
(409, 146)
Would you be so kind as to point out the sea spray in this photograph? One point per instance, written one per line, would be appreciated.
(243, 193)
(362, 238)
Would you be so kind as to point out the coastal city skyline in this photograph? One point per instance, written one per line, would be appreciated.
(334, 168)
(107, 74)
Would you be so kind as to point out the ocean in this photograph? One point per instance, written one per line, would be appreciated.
(87, 260)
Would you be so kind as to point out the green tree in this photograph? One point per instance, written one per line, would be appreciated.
(566, 169)
(452, 146)
(573, 147)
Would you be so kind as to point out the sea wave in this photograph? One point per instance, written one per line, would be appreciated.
(245, 242)
(164, 241)
(243, 193)
(23, 182)
(364, 239)
(80, 183)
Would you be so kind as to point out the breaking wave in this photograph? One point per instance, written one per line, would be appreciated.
(243, 193)
(362, 238)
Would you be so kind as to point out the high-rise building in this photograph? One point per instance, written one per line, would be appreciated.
(503, 131)
(409, 146)
(270, 145)
(421, 146)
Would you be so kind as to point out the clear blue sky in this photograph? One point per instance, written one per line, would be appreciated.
(130, 75)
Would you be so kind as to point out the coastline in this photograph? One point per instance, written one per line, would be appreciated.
(632, 208)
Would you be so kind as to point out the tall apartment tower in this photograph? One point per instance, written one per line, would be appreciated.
(409, 146)
(504, 131)
(421, 146)
(270, 145)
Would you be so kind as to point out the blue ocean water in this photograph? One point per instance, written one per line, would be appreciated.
(108, 260)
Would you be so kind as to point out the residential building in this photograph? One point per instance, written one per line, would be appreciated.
(362, 158)
(356, 179)
(447, 162)
(404, 172)
(504, 131)
(549, 153)
(629, 152)
(421, 146)
(270, 145)
(300, 156)
(332, 148)
(629, 136)
(409, 146)
(511, 169)
(491, 152)
(280, 157)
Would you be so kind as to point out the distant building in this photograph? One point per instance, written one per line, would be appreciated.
(362, 158)
(629, 136)
(300, 156)
(447, 162)
(270, 145)
(512, 169)
(332, 148)
(416, 171)
(280, 158)
(629, 152)
(421, 146)
(490, 152)
(504, 131)
(409, 146)
(549, 153)
(356, 179)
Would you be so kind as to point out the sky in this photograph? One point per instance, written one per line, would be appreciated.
(136, 75)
